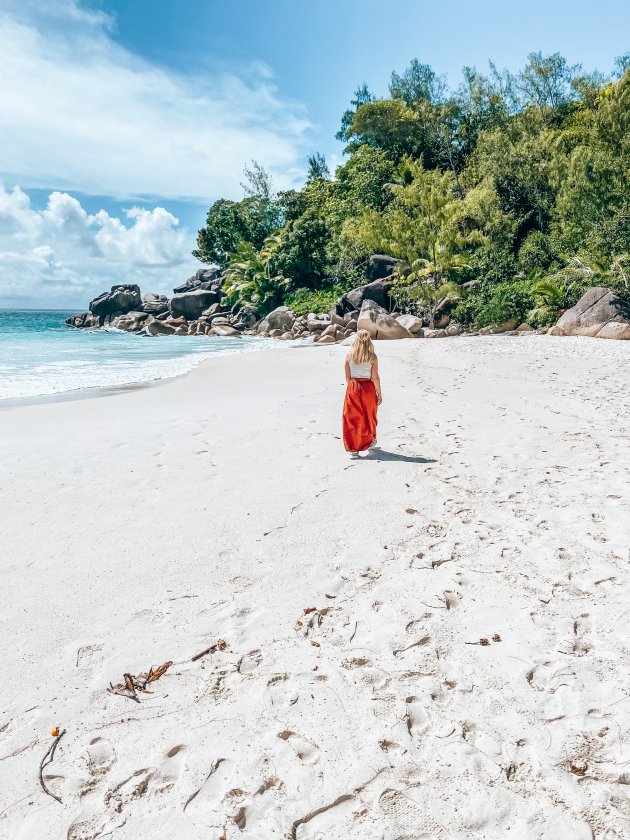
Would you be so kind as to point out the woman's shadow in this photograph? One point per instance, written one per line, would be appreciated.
(378, 454)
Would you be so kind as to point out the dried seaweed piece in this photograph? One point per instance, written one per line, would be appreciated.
(132, 683)
(160, 671)
(123, 691)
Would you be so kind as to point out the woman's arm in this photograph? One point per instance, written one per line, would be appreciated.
(347, 368)
(376, 380)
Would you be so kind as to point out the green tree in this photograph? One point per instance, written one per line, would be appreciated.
(251, 278)
(317, 168)
(230, 223)
(592, 207)
(421, 226)
(388, 124)
(361, 96)
(301, 253)
(546, 82)
(419, 82)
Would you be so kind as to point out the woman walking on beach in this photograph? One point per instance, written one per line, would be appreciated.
(363, 396)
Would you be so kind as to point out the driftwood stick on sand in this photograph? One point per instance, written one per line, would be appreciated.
(220, 645)
(48, 759)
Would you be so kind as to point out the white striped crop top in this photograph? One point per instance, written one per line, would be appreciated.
(363, 371)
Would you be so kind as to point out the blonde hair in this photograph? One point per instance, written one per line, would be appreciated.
(362, 349)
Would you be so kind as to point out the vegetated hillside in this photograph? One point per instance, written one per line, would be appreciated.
(511, 193)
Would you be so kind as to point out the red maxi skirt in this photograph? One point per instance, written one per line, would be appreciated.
(359, 415)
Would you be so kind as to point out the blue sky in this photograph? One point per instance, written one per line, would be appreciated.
(122, 120)
(319, 51)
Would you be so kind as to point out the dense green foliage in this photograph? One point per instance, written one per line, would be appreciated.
(510, 195)
(303, 301)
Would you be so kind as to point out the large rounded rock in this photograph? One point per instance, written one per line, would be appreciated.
(215, 309)
(281, 319)
(246, 317)
(599, 313)
(84, 321)
(224, 330)
(169, 327)
(190, 305)
(130, 322)
(380, 266)
(122, 298)
(497, 329)
(209, 279)
(411, 323)
(155, 304)
(330, 330)
(218, 319)
(315, 323)
(156, 327)
(377, 291)
(379, 323)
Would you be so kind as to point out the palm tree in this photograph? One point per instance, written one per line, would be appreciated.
(550, 301)
(250, 278)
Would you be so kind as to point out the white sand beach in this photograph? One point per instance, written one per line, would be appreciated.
(145, 526)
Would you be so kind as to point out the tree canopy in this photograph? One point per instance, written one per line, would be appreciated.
(500, 184)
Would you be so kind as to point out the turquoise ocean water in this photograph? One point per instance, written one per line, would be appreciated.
(40, 355)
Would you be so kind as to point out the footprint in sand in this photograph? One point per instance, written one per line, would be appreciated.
(132, 788)
(267, 798)
(101, 757)
(434, 530)
(171, 768)
(86, 654)
(250, 662)
(451, 599)
(86, 829)
(410, 818)
(550, 676)
(208, 796)
(581, 625)
(282, 690)
(305, 750)
(418, 722)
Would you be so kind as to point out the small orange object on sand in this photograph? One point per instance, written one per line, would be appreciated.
(55, 731)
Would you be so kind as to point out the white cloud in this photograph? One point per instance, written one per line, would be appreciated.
(81, 113)
(64, 256)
